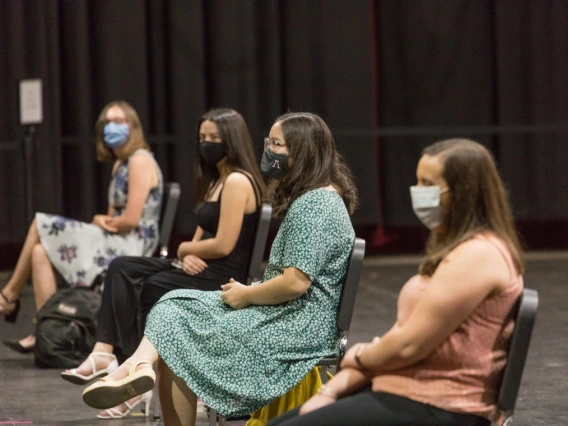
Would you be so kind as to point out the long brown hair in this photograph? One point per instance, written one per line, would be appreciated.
(479, 202)
(316, 163)
(136, 138)
(237, 142)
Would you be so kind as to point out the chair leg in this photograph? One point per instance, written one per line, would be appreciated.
(212, 417)
(323, 373)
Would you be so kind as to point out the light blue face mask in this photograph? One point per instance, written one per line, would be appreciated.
(426, 205)
(116, 135)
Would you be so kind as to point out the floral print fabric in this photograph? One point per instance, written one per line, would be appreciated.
(237, 361)
(80, 251)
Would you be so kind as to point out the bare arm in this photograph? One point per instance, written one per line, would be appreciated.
(345, 382)
(289, 286)
(111, 210)
(234, 197)
(462, 281)
(198, 234)
(142, 177)
(102, 220)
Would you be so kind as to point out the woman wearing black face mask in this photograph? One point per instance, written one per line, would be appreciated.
(229, 190)
(244, 346)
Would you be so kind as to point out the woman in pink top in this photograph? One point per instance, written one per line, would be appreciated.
(441, 362)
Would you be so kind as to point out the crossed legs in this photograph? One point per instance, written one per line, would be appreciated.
(33, 261)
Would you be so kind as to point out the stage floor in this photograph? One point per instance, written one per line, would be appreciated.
(29, 395)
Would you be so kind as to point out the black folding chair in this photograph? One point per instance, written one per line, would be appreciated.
(346, 305)
(518, 350)
(344, 313)
(259, 243)
(170, 203)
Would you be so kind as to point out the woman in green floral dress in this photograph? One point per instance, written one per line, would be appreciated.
(244, 346)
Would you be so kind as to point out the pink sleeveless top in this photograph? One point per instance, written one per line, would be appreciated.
(461, 375)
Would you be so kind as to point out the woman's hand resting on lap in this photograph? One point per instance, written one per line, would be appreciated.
(315, 402)
(105, 222)
(235, 294)
(193, 265)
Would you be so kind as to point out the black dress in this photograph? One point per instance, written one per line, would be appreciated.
(133, 284)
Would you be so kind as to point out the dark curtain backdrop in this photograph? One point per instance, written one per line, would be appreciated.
(388, 76)
(172, 61)
(495, 71)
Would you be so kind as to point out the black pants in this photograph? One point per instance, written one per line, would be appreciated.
(368, 408)
(132, 286)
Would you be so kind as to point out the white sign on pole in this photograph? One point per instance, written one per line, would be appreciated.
(31, 105)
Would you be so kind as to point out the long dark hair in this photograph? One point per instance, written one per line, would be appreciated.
(479, 202)
(237, 143)
(136, 138)
(315, 163)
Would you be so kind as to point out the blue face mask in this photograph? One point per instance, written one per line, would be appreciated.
(115, 135)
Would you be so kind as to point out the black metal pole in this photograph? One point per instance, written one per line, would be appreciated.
(28, 145)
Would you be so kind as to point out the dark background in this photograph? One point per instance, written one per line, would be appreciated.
(388, 76)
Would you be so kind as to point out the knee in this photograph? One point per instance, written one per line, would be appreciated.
(39, 255)
(118, 264)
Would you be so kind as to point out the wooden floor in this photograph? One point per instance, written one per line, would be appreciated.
(29, 395)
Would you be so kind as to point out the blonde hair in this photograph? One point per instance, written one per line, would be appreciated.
(136, 138)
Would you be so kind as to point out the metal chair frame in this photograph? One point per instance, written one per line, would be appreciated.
(527, 307)
(172, 193)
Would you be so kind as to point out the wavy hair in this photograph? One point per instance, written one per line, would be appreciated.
(316, 163)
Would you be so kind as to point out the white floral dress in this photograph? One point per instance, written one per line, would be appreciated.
(237, 361)
(80, 251)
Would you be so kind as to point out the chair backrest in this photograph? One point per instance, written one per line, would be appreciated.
(170, 203)
(349, 293)
(518, 349)
(259, 242)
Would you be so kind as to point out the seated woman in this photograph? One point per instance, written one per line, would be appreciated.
(229, 191)
(81, 251)
(244, 346)
(441, 362)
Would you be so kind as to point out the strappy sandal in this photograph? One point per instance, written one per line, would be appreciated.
(80, 379)
(13, 315)
(115, 413)
(108, 393)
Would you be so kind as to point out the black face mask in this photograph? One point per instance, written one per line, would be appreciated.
(211, 152)
(273, 165)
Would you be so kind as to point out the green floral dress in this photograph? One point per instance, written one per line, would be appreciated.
(237, 361)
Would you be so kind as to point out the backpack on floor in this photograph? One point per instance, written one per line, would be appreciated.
(65, 328)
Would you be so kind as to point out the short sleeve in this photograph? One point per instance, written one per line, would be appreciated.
(311, 235)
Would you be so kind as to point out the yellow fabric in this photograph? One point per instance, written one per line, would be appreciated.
(295, 397)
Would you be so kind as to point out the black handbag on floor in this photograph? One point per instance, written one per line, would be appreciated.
(65, 328)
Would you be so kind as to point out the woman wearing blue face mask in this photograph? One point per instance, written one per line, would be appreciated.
(229, 190)
(441, 362)
(81, 251)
